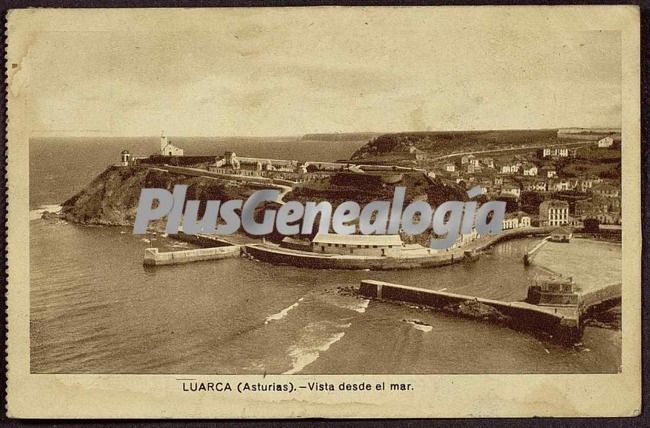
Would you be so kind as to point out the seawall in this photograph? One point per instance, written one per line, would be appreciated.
(307, 259)
(603, 298)
(207, 241)
(563, 323)
(332, 261)
(152, 257)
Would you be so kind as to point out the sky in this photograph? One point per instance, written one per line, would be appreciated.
(274, 73)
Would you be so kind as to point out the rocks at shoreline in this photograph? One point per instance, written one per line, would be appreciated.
(348, 291)
(610, 319)
(477, 310)
(47, 215)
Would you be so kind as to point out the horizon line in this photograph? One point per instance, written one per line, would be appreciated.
(39, 135)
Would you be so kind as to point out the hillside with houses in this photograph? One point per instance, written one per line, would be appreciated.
(578, 167)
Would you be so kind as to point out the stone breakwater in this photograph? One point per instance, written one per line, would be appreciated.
(152, 257)
(562, 323)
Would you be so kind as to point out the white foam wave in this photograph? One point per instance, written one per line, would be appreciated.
(361, 306)
(303, 357)
(283, 313)
(36, 214)
(419, 326)
(351, 304)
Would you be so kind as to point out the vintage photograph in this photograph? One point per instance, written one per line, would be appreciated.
(414, 124)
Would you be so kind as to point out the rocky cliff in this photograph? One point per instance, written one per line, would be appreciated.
(112, 197)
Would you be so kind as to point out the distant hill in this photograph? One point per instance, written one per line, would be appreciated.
(341, 136)
(589, 134)
(589, 131)
(444, 143)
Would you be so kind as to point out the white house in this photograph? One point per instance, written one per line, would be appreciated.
(417, 153)
(530, 170)
(540, 186)
(555, 152)
(511, 189)
(514, 221)
(606, 142)
(558, 185)
(488, 162)
(554, 212)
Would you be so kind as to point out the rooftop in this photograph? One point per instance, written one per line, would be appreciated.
(332, 238)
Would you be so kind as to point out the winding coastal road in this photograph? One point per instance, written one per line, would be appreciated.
(535, 147)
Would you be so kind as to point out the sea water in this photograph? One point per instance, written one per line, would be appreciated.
(96, 309)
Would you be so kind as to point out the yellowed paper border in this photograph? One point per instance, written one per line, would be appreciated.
(137, 396)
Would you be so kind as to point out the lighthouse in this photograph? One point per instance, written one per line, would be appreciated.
(163, 142)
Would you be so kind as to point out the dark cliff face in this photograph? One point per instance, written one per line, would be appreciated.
(112, 197)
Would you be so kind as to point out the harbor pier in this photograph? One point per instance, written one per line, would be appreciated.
(563, 322)
(153, 257)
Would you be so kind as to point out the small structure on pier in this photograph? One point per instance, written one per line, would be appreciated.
(363, 245)
(561, 234)
(553, 290)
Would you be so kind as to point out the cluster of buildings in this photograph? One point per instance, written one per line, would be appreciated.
(166, 149)
(557, 212)
(605, 209)
(231, 164)
(600, 198)
(516, 220)
(514, 185)
(368, 245)
(509, 177)
(518, 165)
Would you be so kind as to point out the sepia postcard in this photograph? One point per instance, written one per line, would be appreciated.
(340, 212)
